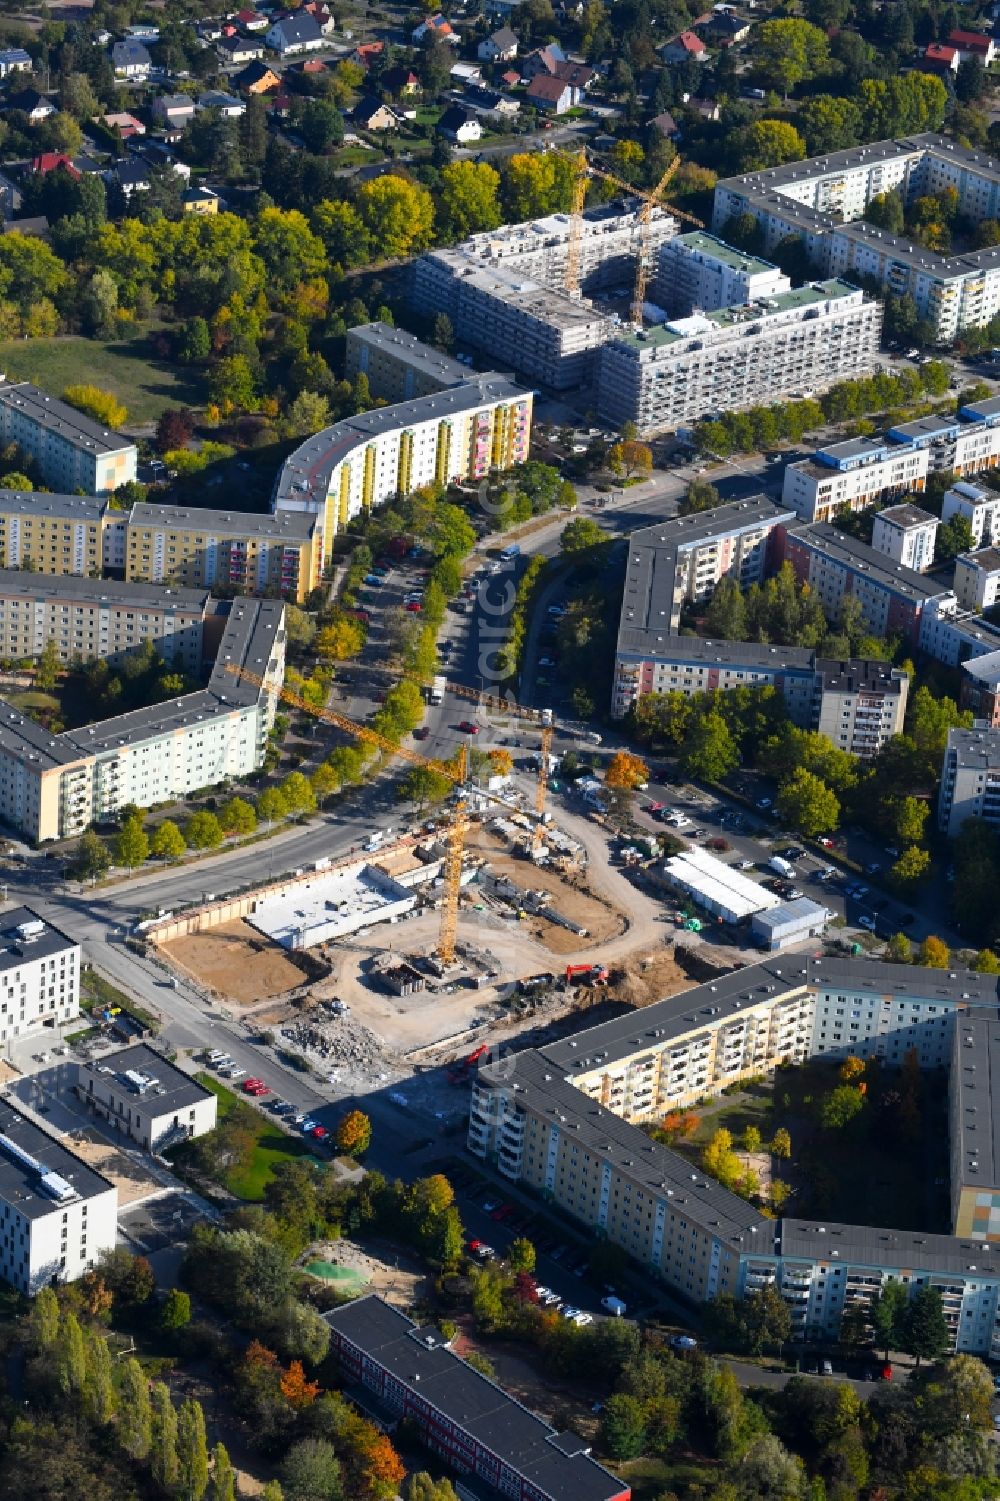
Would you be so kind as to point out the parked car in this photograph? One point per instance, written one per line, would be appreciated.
(421, 732)
(468, 727)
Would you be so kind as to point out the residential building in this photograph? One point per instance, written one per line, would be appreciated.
(52, 534)
(465, 73)
(14, 60)
(821, 201)
(501, 47)
(974, 1157)
(30, 102)
(435, 25)
(70, 450)
(126, 125)
(200, 200)
(398, 365)
(892, 597)
(130, 60)
(58, 1215)
(174, 109)
(295, 33)
(977, 579)
(804, 340)
(667, 126)
(257, 78)
(506, 289)
(236, 49)
(374, 114)
(859, 704)
(399, 82)
(726, 28)
(907, 534)
(940, 58)
(852, 475)
(55, 786)
(980, 689)
(542, 60)
(456, 124)
(789, 923)
(145, 1097)
(698, 273)
(322, 15)
(402, 1372)
(551, 94)
(981, 509)
(970, 780)
(678, 561)
(687, 47)
(238, 551)
(461, 433)
(39, 977)
(228, 105)
(977, 46)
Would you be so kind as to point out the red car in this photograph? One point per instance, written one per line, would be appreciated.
(249, 1085)
(320, 1133)
(468, 728)
(414, 607)
(503, 1213)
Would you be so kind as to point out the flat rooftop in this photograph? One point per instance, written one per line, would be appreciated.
(854, 675)
(26, 936)
(60, 507)
(975, 750)
(801, 910)
(866, 1246)
(153, 1079)
(664, 647)
(59, 417)
(705, 876)
(700, 242)
(906, 516)
(296, 526)
(727, 320)
(823, 537)
(111, 594)
(398, 344)
(974, 1084)
(987, 559)
(358, 891)
(38, 1175)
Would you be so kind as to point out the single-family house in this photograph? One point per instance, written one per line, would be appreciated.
(705, 109)
(174, 109)
(501, 47)
(130, 60)
(973, 44)
(686, 47)
(129, 177)
(200, 200)
(143, 31)
(666, 125)
(435, 26)
(126, 125)
(228, 105)
(36, 227)
(10, 197)
(235, 50)
(256, 78)
(252, 21)
(48, 161)
(490, 102)
(374, 114)
(31, 103)
(459, 126)
(322, 15)
(209, 31)
(511, 77)
(400, 81)
(577, 75)
(941, 59)
(309, 67)
(157, 154)
(542, 60)
(727, 28)
(366, 53)
(14, 60)
(295, 33)
(463, 73)
(550, 94)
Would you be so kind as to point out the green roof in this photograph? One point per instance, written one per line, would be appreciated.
(732, 317)
(737, 260)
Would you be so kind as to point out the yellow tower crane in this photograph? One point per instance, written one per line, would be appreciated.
(518, 711)
(586, 168)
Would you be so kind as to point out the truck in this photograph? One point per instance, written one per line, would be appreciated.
(438, 687)
(782, 867)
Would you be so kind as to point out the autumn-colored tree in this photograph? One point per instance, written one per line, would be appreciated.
(630, 457)
(100, 405)
(781, 1143)
(934, 953)
(382, 1470)
(627, 771)
(354, 1133)
(296, 1389)
(501, 763)
(852, 1069)
(780, 1193)
(258, 1354)
(342, 638)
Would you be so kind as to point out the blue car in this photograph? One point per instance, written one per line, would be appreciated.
(374, 580)
(308, 1125)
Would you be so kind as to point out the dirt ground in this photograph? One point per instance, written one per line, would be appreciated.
(398, 1279)
(127, 1176)
(237, 962)
(571, 898)
(642, 979)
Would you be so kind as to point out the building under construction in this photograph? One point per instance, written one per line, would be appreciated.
(506, 290)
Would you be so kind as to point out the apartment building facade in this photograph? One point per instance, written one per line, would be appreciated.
(99, 618)
(55, 786)
(235, 552)
(798, 341)
(977, 578)
(970, 780)
(397, 365)
(699, 273)
(69, 449)
(57, 1214)
(39, 976)
(54, 534)
(564, 1121)
(821, 201)
(851, 476)
(403, 1372)
(144, 1096)
(979, 507)
(907, 534)
(461, 433)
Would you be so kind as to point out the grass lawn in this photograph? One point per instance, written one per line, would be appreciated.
(96, 991)
(34, 698)
(272, 1145)
(124, 367)
(651, 1478)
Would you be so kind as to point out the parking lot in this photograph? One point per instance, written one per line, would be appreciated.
(161, 1222)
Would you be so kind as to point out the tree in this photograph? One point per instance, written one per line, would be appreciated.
(768, 1472)
(719, 1159)
(986, 963)
(192, 1451)
(423, 785)
(912, 867)
(342, 638)
(629, 457)
(840, 1107)
(298, 794)
(49, 666)
(176, 1311)
(296, 1390)
(354, 1134)
(701, 495)
(99, 1395)
(953, 537)
(899, 949)
(789, 52)
(203, 831)
(808, 804)
(223, 1475)
(134, 1427)
(163, 1462)
(765, 1320)
(91, 860)
(934, 953)
(581, 534)
(44, 1320)
(852, 1069)
(467, 200)
(166, 841)
(174, 429)
(925, 1329)
(522, 1255)
(779, 1193)
(232, 384)
(310, 1471)
(623, 1427)
(626, 771)
(443, 336)
(271, 805)
(781, 1144)
(131, 844)
(397, 213)
(324, 783)
(237, 816)
(100, 405)
(752, 1139)
(710, 752)
(768, 143)
(829, 123)
(422, 1487)
(888, 1315)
